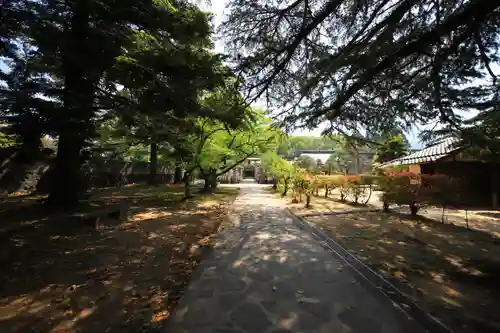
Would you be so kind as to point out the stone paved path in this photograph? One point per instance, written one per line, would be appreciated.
(266, 275)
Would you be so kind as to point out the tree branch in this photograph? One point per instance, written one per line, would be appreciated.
(290, 49)
(484, 57)
(476, 10)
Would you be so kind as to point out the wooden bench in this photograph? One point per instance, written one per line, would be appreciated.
(94, 219)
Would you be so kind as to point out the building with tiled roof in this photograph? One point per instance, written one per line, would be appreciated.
(438, 151)
(480, 180)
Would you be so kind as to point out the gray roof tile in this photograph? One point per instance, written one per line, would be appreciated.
(426, 155)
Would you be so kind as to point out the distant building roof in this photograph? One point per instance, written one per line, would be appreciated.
(426, 155)
(323, 157)
(326, 151)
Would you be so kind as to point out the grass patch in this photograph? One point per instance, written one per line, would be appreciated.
(125, 279)
(450, 271)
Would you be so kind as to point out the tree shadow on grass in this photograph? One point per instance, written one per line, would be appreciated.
(451, 271)
(126, 279)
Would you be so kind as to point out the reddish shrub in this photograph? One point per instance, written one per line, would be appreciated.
(406, 188)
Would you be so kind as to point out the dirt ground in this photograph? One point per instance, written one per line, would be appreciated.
(477, 219)
(58, 277)
(451, 271)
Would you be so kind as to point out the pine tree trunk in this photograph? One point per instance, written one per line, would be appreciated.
(206, 184)
(187, 186)
(494, 188)
(76, 127)
(213, 181)
(67, 182)
(153, 163)
(178, 175)
(210, 181)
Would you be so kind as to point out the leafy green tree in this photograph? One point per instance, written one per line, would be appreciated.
(223, 109)
(331, 164)
(280, 169)
(220, 149)
(306, 162)
(267, 161)
(338, 162)
(390, 148)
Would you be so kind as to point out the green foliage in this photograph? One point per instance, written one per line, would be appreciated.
(276, 166)
(390, 148)
(307, 163)
(27, 114)
(72, 65)
(480, 137)
(338, 162)
(6, 141)
(214, 148)
(281, 170)
(225, 147)
(292, 146)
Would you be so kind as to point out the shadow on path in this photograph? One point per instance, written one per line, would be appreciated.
(267, 275)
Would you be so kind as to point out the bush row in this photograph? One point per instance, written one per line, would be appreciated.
(401, 188)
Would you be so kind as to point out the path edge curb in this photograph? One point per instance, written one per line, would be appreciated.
(374, 280)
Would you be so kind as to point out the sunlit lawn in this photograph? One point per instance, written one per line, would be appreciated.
(125, 279)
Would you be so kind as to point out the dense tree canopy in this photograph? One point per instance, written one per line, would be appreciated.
(72, 65)
(366, 64)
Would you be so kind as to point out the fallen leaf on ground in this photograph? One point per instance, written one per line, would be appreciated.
(160, 316)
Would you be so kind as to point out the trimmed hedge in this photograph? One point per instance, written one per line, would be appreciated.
(416, 190)
(401, 188)
(398, 187)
